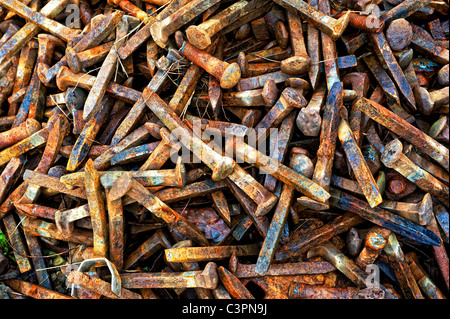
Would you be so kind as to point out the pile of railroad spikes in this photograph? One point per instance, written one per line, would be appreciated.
(244, 149)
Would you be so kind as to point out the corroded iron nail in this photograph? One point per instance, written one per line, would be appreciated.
(58, 128)
(345, 265)
(233, 285)
(94, 152)
(200, 254)
(299, 63)
(383, 218)
(288, 101)
(276, 53)
(251, 208)
(419, 213)
(332, 27)
(66, 78)
(64, 220)
(257, 82)
(127, 185)
(405, 130)
(302, 291)
(394, 158)
(99, 286)
(280, 151)
(93, 101)
(403, 10)
(277, 223)
(16, 134)
(313, 47)
(170, 195)
(31, 142)
(387, 59)
(360, 83)
(328, 137)
(36, 211)
(427, 102)
(317, 236)
(78, 61)
(39, 19)
(221, 127)
(54, 183)
(187, 85)
(264, 199)
(166, 147)
(97, 210)
(442, 217)
(267, 96)
(202, 293)
(388, 87)
(309, 119)
(227, 74)
(359, 165)
(214, 89)
(39, 227)
(221, 205)
(131, 9)
(304, 185)
(87, 136)
(440, 252)
(136, 137)
(282, 269)
(375, 241)
(221, 166)
(427, 286)
(23, 73)
(401, 268)
(34, 291)
(170, 177)
(440, 130)
(146, 249)
(206, 278)
(361, 22)
(161, 30)
(399, 34)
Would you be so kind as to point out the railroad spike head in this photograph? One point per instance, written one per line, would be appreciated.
(208, 278)
(121, 186)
